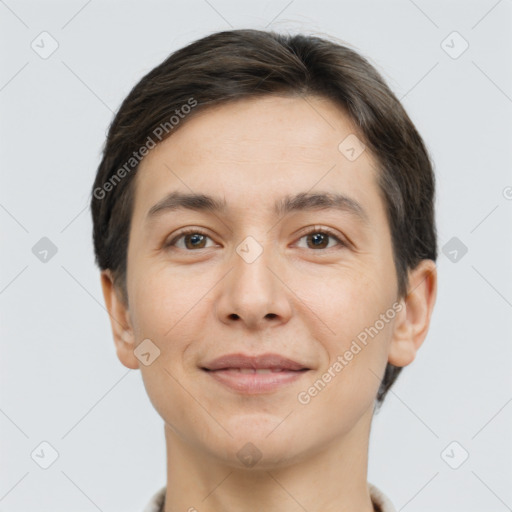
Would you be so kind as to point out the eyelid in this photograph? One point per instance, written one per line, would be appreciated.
(184, 232)
(340, 239)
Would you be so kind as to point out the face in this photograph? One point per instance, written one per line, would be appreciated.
(304, 281)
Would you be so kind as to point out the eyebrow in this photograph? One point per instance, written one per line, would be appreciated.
(303, 201)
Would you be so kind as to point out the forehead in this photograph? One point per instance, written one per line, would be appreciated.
(256, 148)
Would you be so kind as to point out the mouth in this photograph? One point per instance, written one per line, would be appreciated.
(253, 381)
(254, 374)
(255, 370)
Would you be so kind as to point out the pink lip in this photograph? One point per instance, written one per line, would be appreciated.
(254, 383)
(281, 371)
(271, 361)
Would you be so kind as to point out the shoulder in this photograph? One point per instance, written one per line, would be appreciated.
(156, 503)
(380, 501)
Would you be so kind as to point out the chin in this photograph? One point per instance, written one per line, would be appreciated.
(262, 447)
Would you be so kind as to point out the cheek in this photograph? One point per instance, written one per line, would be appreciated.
(165, 309)
(347, 299)
(348, 383)
(353, 319)
(164, 299)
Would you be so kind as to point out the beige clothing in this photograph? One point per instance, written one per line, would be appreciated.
(381, 502)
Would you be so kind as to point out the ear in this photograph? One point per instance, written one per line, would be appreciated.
(122, 330)
(413, 320)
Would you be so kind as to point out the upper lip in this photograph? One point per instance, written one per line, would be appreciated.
(263, 361)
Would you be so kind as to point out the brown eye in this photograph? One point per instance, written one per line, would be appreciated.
(320, 238)
(193, 239)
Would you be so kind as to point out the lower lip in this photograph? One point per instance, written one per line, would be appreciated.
(254, 383)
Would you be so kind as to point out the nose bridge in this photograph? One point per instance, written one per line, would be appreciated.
(251, 274)
(251, 292)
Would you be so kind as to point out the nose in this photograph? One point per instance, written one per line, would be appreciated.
(253, 293)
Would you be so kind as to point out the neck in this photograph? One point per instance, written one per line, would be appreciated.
(333, 478)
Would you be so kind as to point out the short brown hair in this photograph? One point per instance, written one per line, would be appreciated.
(245, 63)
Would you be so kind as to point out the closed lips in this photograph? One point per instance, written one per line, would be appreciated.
(253, 375)
(256, 370)
(264, 363)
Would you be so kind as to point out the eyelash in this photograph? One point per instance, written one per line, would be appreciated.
(315, 230)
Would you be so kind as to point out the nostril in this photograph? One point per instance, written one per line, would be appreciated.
(270, 315)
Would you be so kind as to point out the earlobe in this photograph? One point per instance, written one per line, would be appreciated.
(122, 331)
(413, 321)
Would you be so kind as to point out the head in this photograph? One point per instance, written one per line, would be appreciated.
(273, 126)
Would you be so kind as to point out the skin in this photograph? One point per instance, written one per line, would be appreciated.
(295, 299)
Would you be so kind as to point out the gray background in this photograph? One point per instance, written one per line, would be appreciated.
(60, 380)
